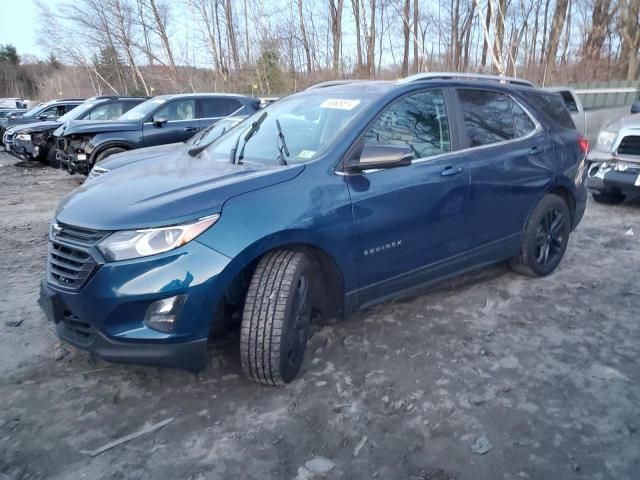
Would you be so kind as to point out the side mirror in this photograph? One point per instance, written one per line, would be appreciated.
(159, 120)
(42, 117)
(382, 156)
(635, 108)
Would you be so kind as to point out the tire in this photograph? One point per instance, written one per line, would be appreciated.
(276, 318)
(107, 153)
(51, 158)
(545, 238)
(608, 197)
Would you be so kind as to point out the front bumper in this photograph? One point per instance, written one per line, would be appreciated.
(106, 315)
(608, 174)
(73, 162)
(24, 149)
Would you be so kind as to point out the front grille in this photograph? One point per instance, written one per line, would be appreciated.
(70, 262)
(629, 145)
(8, 137)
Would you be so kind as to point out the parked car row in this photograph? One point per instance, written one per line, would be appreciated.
(322, 203)
(76, 134)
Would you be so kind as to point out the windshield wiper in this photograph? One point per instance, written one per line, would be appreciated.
(195, 151)
(282, 145)
(255, 126)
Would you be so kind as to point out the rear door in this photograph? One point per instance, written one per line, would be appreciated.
(511, 163)
(213, 109)
(182, 122)
(409, 218)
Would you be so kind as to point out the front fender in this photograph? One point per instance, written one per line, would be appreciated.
(101, 141)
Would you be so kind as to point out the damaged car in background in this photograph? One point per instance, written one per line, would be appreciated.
(51, 110)
(171, 151)
(614, 170)
(35, 141)
(158, 121)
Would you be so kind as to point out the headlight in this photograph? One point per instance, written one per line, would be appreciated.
(605, 139)
(25, 137)
(128, 244)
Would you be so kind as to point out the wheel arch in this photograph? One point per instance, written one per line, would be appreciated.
(329, 300)
(106, 145)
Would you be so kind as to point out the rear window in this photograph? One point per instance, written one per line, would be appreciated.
(552, 106)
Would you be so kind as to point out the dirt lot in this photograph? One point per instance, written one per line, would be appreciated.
(544, 374)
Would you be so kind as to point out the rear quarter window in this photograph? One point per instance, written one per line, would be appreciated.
(552, 106)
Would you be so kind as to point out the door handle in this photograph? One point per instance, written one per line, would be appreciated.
(535, 151)
(190, 129)
(450, 170)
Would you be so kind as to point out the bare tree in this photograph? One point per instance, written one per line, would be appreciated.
(335, 21)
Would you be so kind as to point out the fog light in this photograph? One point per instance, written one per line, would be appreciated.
(162, 315)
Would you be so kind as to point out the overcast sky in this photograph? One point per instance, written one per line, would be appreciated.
(18, 25)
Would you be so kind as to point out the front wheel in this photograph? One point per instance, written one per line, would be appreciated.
(276, 318)
(545, 238)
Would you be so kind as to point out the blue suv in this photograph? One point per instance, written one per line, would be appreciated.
(326, 201)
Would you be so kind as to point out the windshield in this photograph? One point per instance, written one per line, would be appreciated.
(143, 109)
(76, 112)
(310, 123)
(33, 111)
(212, 132)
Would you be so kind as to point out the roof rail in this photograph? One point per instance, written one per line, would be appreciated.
(464, 76)
(330, 83)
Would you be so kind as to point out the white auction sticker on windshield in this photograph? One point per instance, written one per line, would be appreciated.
(306, 154)
(158, 100)
(340, 104)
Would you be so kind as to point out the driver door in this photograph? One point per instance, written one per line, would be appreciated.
(410, 219)
(182, 123)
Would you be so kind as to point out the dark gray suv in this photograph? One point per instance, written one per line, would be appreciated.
(158, 121)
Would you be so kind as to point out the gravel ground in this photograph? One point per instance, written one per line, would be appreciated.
(488, 376)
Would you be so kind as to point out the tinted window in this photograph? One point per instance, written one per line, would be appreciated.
(552, 106)
(220, 107)
(214, 107)
(522, 124)
(178, 110)
(418, 120)
(492, 117)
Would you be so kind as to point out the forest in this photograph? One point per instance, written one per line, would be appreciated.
(273, 47)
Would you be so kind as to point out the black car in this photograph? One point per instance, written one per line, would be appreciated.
(50, 110)
(35, 141)
(166, 152)
(158, 121)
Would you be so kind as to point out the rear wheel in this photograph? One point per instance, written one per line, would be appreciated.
(608, 197)
(276, 318)
(545, 238)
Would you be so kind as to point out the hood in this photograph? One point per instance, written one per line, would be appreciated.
(168, 152)
(92, 126)
(630, 121)
(159, 193)
(35, 127)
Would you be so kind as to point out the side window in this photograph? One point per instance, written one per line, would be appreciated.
(51, 112)
(418, 120)
(105, 112)
(522, 124)
(553, 107)
(214, 107)
(492, 117)
(178, 110)
(232, 105)
(487, 116)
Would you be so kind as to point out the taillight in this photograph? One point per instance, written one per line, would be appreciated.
(583, 143)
